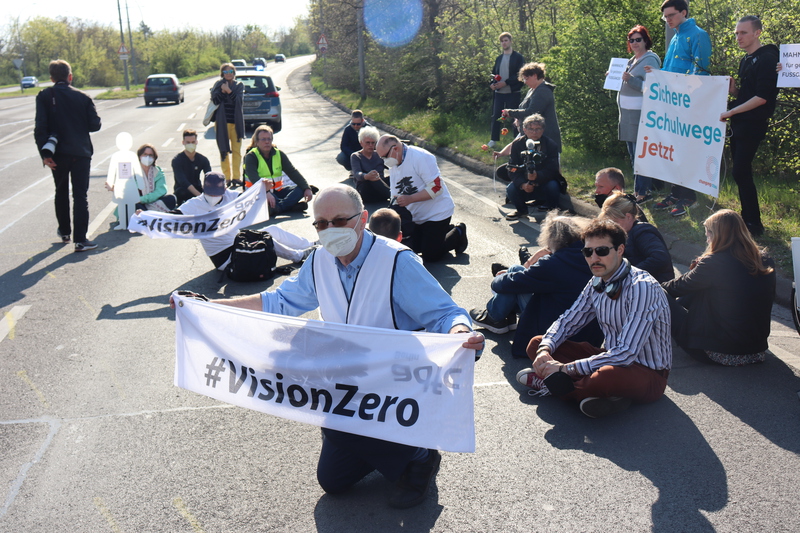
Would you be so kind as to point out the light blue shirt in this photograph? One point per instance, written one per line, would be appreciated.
(419, 301)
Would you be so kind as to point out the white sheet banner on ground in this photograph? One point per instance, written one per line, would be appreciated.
(399, 386)
(680, 135)
(248, 209)
(789, 75)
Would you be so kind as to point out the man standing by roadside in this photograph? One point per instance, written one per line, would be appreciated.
(349, 142)
(64, 118)
(753, 105)
(186, 168)
(506, 91)
(633, 312)
(689, 52)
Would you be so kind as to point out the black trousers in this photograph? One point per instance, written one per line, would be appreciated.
(75, 170)
(746, 138)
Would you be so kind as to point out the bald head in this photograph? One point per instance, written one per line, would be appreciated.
(341, 196)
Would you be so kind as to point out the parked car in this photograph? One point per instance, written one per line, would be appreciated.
(239, 63)
(163, 88)
(29, 81)
(280, 58)
(262, 103)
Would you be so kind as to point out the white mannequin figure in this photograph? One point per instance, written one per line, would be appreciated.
(121, 179)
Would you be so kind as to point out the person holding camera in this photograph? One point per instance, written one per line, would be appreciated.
(64, 118)
(533, 169)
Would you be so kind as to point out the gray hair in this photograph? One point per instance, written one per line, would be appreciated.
(536, 118)
(558, 231)
(370, 132)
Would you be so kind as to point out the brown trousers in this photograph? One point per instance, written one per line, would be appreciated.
(637, 382)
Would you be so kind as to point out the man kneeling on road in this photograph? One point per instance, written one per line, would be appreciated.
(634, 315)
(351, 279)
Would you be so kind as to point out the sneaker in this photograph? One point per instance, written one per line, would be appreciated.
(524, 255)
(462, 246)
(482, 319)
(516, 215)
(85, 246)
(528, 377)
(414, 483)
(64, 238)
(235, 183)
(669, 201)
(491, 144)
(497, 267)
(644, 199)
(681, 208)
(512, 321)
(599, 407)
(300, 206)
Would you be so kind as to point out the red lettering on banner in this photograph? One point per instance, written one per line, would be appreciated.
(656, 150)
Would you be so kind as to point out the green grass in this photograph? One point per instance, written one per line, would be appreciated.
(466, 134)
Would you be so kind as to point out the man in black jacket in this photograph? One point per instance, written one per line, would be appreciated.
(349, 143)
(753, 105)
(505, 85)
(64, 118)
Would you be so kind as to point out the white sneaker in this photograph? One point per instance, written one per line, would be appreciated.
(491, 144)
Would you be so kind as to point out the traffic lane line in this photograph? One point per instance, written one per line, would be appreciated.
(106, 512)
(23, 375)
(184, 511)
(9, 321)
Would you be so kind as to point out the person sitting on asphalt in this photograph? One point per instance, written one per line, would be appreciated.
(386, 223)
(645, 247)
(608, 180)
(351, 140)
(543, 288)
(533, 169)
(633, 312)
(265, 161)
(219, 249)
(368, 168)
(421, 198)
(721, 307)
(187, 167)
(151, 182)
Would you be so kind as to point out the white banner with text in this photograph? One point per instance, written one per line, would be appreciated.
(248, 209)
(400, 386)
(680, 135)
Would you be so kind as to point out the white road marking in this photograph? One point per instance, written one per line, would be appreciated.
(10, 320)
(167, 142)
(180, 128)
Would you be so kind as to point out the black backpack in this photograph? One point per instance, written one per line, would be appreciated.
(253, 257)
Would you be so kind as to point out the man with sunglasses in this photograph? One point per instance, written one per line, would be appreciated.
(633, 312)
(349, 143)
(363, 279)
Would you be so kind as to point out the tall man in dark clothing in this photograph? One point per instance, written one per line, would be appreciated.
(507, 90)
(64, 118)
(186, 168)
(539, 180)
(349, 143)
(753, 105)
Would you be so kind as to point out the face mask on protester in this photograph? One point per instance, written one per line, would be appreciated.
(212, 200)
(599, 199)
(190, 147)
(147, 160)
(339, 241)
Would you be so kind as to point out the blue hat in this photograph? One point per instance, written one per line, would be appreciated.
(214, 184)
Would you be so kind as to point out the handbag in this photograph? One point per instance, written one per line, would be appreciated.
(210, 111)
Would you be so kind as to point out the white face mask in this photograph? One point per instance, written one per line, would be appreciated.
(147, 160)
(390, 162)
(212, 200)
(339, 241)
(190, 147)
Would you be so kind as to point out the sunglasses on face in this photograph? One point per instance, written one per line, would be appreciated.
(601, 251)
(338, 222)
(229, 72)
(636, 40)
(357, 124)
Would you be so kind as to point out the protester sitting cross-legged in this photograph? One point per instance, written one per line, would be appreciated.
(219, 249)
(633, 313)
(533, 169)
(368, 168)
(721, 308)
(645, 247)
(543, 288)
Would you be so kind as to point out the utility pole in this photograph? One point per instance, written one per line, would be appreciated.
(130, 40)
(122, 43)
(362, 68)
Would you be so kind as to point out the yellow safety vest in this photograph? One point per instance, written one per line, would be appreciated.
(263, 170)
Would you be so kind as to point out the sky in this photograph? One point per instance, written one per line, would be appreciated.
(162, 14)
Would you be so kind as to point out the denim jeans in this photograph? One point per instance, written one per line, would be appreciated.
(287, 198)
(502, 305)
(641, 184)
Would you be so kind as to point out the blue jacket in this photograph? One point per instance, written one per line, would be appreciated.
(689, 50)
(555, 280)
(646, 249)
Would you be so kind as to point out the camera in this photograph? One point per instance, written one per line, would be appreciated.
(531, 156)
(49, 147)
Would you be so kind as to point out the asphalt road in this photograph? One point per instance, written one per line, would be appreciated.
(95, 437)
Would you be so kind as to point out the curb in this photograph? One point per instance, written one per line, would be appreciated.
(682, 252)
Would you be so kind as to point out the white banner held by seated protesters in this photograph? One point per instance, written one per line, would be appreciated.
(248, 209)
(400, 386)
(680, 135)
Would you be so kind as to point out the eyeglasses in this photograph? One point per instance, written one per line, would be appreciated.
(359, 124)
(338, 222)
(229, 72)
(636, 40)
(387, 151)
(601, 251)
(665, 18)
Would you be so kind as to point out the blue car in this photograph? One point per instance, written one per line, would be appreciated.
(29, 81)
(262, 102)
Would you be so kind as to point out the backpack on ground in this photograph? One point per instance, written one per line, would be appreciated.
(253, 257)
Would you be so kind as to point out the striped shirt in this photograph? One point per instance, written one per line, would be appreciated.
(636, 325)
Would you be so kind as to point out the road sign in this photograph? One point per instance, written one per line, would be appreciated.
(123, 51)
(322, 50)
(17, 63)
(322, 42)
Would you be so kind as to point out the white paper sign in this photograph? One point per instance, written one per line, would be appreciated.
(680, 135)
(789, 76)
(400, 386)
(616, 69)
